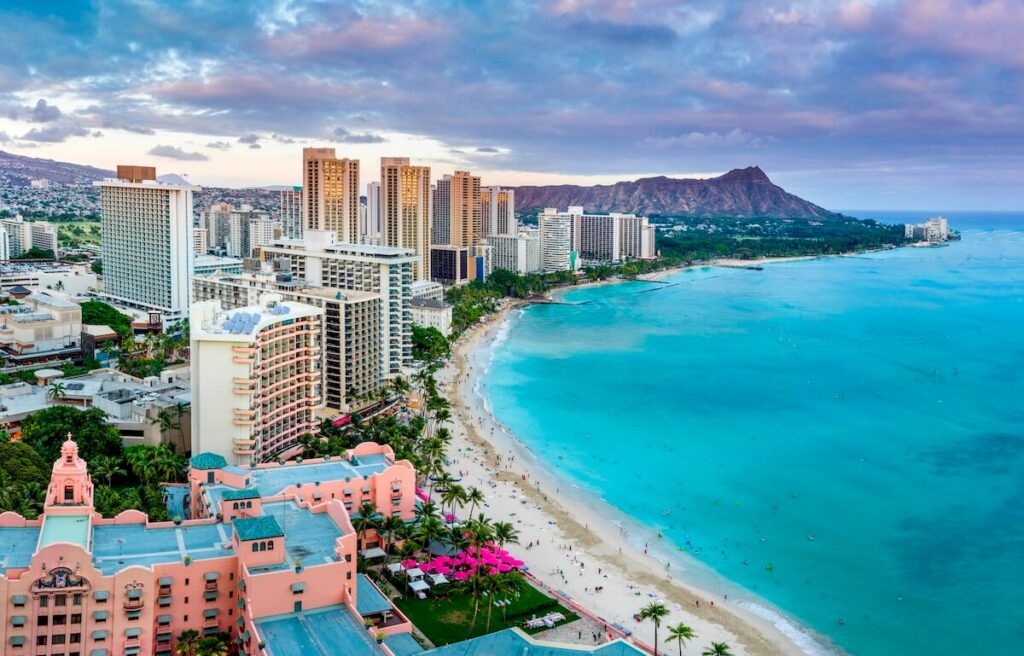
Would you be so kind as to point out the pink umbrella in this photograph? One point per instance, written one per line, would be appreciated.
(441, 569)
(504, 568)
(461, 576)
(492, 571)
(408, 564)
(449, 518)
(427, 567)
(516, 562)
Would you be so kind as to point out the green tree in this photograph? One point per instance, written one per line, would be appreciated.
(717, 649)
(187, 643)
(21, 464)
(654, 611)
(680, 634)
(107, 468)
(57, 391)
(46, 430)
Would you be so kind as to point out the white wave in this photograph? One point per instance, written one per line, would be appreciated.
(800, 636)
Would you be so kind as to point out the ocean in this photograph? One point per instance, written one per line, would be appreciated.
(838, 444)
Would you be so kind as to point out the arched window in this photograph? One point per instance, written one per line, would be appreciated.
(263, 546)
(255, 547)
(270, 546)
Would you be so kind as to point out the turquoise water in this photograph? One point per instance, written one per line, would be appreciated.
(872, 403)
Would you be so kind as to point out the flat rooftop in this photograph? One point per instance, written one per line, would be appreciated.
(117, 547)
(272, 480)
(17, 546)
(512, 641)
(309, 538)
(65, 528)
(322, 632)
(369, 599)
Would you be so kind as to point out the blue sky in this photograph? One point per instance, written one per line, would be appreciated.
(851, 104)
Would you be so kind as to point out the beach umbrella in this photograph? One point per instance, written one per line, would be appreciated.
(492, 571)
(442, 569)
(515, 562)
(408, 564)
(504, 568)
(460, 576)
(450, 518)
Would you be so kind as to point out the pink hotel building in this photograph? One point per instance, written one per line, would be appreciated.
(268, 556)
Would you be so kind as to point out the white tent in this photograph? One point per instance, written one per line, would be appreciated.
(414, 573)
(373, 552)
(438, 579)
(418, 586)
(395, 568)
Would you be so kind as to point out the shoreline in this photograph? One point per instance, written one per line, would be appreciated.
(518, 485)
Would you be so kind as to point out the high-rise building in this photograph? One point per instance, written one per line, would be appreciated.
(556, 241)
(290, 214)
(147, 240)
(604, 238)
(498, 209)
(372, 226)
(351, 363)
(457, 217)
(255, 378)
(236, 232)
(320, 260)
(200, 241)
(405, 209)
(44, 236)
(23, 235)
(450, 265)
(517, 253)
(330, 193)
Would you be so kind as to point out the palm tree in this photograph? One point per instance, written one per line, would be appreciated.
(389, 527)
(505, 533)
(474, 498)
(430, 530)
(400, 385)
(107, 468)
(188, 643)
(654, 611)
(140, 459)
(717, 649)
(454, 495)
(212, 646)
(164, 419)
(367, 519)
(57, 391)
(679, 634)
(498, 585)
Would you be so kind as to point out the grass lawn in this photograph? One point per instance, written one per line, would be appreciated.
(445, 621)
(78, 233)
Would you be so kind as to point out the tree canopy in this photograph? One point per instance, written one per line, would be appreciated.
(21, 464)
(46, 430)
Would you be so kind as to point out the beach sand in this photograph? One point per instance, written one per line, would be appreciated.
(601, 554)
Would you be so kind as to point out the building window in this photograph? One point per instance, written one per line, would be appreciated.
(76, 599)
(43, 620)
(76, 618)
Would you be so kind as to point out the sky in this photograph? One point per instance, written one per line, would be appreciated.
(884, 104)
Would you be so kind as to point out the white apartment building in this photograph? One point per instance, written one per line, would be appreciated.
(19, 235)
(432, 313)
(935, 229)
(200, 242)
(237, 231)
(498, 209)
(556, 241)
(44, 236)
(290, 214)
(605, 238)
(205, 265)
(147, 241)
(330, 193)
(320, 260)
(351, 363)
(255, 378)
(5, 245)
(427, 289)
(518, 253)
(372, 225)
(405, 211)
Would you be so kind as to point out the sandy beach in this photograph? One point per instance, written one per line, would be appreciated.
(570, 542)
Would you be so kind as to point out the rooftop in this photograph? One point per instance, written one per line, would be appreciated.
(369, 600)
(310, 537)
(258, 528)
(208, 460)
(17, 546)
(514, 641)
(234, 495)
(116, 547)
(65, 528)
(428, 303)
(321, 632)
(272, 480)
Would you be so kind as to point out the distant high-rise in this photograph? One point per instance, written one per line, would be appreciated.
(236, 231)
(372, 226)
(291, 212)
(405, 209)
(556, 241)
(498, 208)
(147, 240)
(457, 217)
(330, 194)
(200, 241)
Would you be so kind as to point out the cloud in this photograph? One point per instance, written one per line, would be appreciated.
(116, 123)
(487, 149)
(4, 137)
(172, 152)
(43, 112)
(255, 145)
(219, 145)
(734, 137)
(249, 139)
(55, 133)
(282, 139)
(344, 136)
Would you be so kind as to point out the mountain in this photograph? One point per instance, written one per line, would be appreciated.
(740, 193)
(19, 170)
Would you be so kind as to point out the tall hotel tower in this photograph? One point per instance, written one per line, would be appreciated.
(457, 217)
(147, 241)
(498, 207)
(330, 194)
(405, 209)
